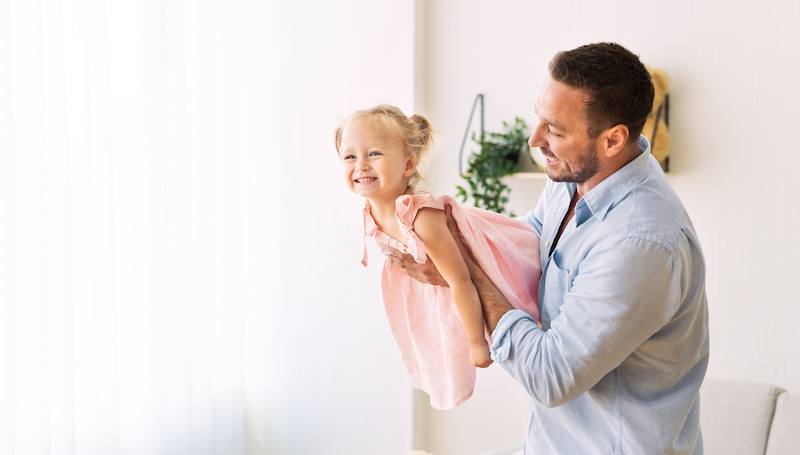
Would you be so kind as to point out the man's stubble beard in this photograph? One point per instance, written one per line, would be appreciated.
(588, 165)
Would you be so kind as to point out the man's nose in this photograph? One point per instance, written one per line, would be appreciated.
(537, 137)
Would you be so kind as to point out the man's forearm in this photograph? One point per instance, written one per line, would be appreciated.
(493, 302)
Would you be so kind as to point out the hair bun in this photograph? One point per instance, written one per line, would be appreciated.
(425, 132)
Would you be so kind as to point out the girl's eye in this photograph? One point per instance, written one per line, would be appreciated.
(375, 153)
(348, 157)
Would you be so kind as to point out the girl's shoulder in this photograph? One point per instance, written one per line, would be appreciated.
(408, 205)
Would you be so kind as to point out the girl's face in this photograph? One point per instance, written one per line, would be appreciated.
(375, 162)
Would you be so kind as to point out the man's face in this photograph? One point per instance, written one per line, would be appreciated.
(562, 133)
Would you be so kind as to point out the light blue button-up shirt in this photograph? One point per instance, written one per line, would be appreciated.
(617, 365)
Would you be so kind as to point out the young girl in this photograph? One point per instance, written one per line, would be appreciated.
(440, 330)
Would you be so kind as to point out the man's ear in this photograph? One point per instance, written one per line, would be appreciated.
(613, 140)
(411, 165)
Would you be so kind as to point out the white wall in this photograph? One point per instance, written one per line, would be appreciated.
(734, 115)
(338, 380)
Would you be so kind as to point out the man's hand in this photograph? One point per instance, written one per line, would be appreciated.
(494, 303)
(474, 268)
(425, 273)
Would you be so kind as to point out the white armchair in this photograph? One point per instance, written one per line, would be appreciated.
(737, 418)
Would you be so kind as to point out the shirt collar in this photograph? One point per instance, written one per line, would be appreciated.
(616, 186)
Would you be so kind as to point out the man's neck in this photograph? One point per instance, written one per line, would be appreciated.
(610, 167)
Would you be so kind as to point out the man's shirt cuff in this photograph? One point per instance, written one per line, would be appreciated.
(501, 339)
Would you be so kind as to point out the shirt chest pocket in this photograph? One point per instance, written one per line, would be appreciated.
(557, 282)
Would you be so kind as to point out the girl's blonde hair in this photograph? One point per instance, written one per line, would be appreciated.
(415, 131)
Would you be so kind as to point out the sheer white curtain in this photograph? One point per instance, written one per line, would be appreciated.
(144, 267)
(125, 237)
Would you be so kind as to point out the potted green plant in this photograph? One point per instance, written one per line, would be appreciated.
(498, 155)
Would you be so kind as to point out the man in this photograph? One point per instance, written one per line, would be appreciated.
(616, 366)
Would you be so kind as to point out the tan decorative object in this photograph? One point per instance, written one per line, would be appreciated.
(659, 118)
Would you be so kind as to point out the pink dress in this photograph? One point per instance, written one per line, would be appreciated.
(423, 318)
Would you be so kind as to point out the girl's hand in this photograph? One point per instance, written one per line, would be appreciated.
(425, 273)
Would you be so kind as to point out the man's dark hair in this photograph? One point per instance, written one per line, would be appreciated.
(619, 86)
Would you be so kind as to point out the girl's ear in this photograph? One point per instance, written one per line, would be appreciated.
(411, 165)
